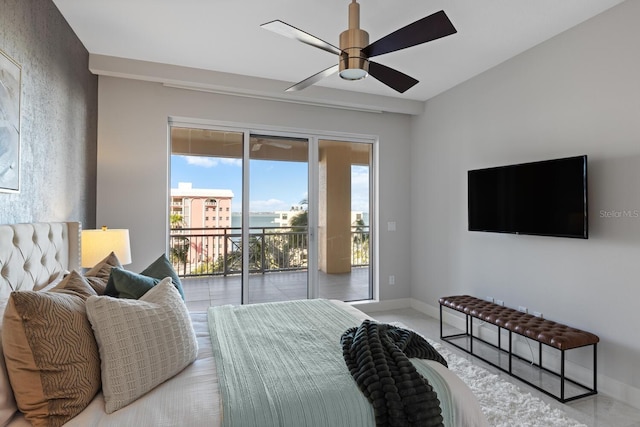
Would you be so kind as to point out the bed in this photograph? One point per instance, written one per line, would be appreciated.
(44, 257)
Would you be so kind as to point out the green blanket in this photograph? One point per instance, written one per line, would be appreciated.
(281, 364)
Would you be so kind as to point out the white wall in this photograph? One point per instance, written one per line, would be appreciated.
(133, 161)
(578, 93)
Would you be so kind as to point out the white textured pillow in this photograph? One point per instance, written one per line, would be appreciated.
(142, 342)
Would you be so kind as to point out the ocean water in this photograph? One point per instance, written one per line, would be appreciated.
(266, 219)
(256, 219)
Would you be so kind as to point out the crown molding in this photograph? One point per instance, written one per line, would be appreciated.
(186, 78)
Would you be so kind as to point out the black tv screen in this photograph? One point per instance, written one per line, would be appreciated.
(546, 198)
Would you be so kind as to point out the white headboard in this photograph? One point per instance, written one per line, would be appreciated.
(31, 255)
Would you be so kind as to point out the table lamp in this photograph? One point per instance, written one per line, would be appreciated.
(97, 244)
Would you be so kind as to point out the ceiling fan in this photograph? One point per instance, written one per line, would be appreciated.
(257, 143)
(354, 51)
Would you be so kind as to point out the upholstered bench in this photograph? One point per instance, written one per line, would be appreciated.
(543, 331)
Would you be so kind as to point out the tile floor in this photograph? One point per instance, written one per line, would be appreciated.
(594, 411)
(203, 292)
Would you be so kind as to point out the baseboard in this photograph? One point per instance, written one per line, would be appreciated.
(376, 306)
(606, 385)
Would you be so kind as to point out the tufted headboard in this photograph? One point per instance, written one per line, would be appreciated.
(32, 255)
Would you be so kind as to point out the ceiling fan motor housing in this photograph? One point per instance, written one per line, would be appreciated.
(353, 65)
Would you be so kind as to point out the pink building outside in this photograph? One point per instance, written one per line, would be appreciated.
(203, 208)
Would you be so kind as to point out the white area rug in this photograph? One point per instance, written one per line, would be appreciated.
(503, 403)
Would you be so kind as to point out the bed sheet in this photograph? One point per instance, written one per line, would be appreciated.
(192, 398)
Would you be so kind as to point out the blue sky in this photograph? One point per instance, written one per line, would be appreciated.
(275, 185)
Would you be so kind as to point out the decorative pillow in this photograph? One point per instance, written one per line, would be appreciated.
(55, 280)
(75, 283)
(142, 342)
(98, 276)
(131, 285)
(161, 268)
(51, 383)
(7, 402)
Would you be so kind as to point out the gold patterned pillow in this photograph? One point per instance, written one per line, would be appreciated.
(51, 353)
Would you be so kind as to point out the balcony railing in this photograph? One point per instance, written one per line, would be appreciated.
(218, 251)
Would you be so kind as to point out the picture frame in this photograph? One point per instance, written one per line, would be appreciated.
(10, 94)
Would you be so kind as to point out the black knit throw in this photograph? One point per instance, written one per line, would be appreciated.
(377, 356)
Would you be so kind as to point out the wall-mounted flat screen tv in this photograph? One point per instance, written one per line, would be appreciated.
(546, 198)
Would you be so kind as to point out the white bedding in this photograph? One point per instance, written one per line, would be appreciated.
(191, 398)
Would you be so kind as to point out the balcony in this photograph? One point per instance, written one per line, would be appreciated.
(209, 262)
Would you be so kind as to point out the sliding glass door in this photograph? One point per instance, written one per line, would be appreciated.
(344, 232)
(269, 216)
(205, 213)
(278, 218)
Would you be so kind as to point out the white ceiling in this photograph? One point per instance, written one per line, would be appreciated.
(225, 35)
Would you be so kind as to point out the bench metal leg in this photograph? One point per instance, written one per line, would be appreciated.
(468, 335)
(510, 352)
(595, 367)
(562, 375)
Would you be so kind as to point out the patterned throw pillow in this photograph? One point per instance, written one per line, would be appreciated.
(51, 353)
(142, 342)
(7, 402)
(75, 283)
(98, 276)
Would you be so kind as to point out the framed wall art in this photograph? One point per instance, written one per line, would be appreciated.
(10, 88)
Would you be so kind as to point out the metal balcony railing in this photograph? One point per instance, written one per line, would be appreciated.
(218, 251)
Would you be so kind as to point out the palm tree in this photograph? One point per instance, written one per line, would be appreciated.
(175, 220)
(360, 246)
(301, 219)
(179, 250)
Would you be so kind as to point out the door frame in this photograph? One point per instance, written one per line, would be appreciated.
(313, 137)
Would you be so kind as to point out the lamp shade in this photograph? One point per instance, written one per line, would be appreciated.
(97, 244)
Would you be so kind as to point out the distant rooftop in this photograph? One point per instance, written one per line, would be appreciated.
(185, 189)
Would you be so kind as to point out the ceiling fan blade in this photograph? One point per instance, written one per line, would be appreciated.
(424, 30)
(313, 79)
(292, 32)
(392, 78)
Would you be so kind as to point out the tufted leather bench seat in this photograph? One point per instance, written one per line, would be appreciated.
(544, 331)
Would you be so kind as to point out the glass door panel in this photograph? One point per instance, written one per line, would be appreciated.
(261, 217)
(278, 219)
(206, 214)
(344, 232)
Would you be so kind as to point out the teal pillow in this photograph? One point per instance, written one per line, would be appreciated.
(131, 285)
(161, 268)
(110, 289)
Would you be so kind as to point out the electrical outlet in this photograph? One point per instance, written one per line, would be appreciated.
(537, 314)
(522, 308)
(490, 299)
(392, 280)
(500, 302)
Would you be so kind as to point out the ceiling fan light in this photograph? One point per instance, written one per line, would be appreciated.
(353, 74)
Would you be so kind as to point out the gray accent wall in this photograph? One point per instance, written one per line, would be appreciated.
(58, 116)
(578, 93)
